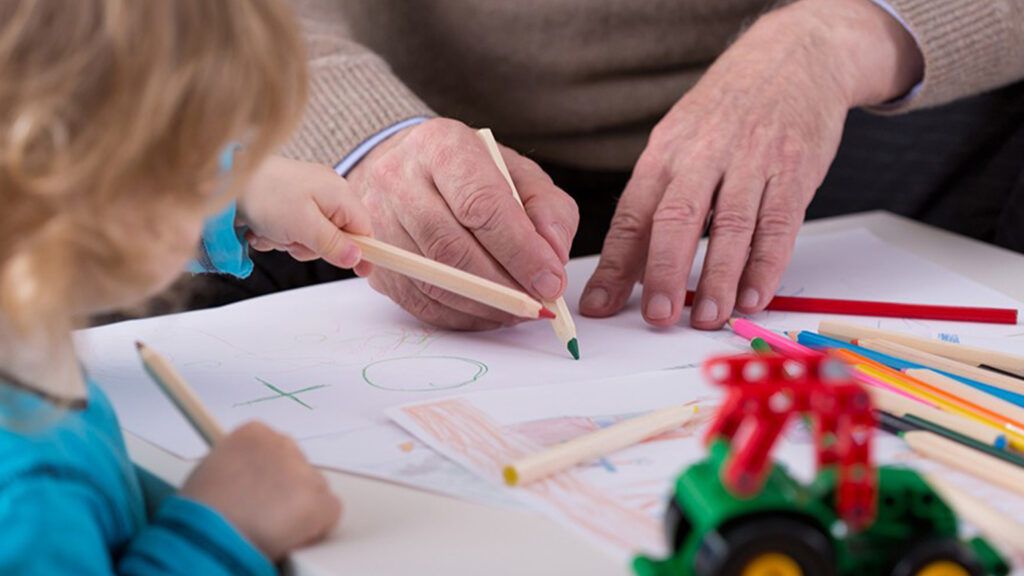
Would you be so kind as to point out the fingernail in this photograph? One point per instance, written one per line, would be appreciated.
(547, 285)
(659, 307)
(749, 298)
(706, 311)
(595, 299)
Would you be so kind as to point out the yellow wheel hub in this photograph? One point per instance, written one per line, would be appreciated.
(776, 564)
(943, 568)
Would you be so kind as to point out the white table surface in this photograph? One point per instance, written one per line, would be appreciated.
(390, 530)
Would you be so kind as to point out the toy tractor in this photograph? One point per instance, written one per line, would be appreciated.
(736, 513)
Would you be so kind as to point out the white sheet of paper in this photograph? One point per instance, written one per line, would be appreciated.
(322, 363)
(618, 501)
(857, 265)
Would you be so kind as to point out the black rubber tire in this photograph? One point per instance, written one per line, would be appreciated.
(677, 525)
(929, 551)
(728, 552)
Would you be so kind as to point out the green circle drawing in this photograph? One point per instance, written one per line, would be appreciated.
(423, 373)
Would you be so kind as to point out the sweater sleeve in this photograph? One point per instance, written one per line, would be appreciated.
(189, 538)
(223, 248)
(353, 92)
(969, 47)
(55, 523)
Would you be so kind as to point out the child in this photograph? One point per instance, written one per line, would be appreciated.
(117, 119)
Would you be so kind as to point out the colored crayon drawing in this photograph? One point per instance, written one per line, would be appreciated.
(423, 373)
(617, 500)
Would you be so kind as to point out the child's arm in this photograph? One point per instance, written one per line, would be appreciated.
(57, 522)
(302, 208)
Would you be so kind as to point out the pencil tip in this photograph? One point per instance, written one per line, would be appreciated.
(545, 313)
(139, 345)
(574, 348)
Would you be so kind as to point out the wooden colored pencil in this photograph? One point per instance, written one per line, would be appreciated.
(887, 309)
(562, 323)
(180, 394)
(1010, 411)
(992, 523)
(902, 406)
(999, 452)
(451, 279)
(597, 444)
(945, 401)
(968, 460)
(937, 362)
(779, 343)
(877, 383)
(967, 354)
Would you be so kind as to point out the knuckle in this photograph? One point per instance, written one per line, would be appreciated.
(679, 211)
(433, 292)
(663, 266)
(480, 210)
(628, 226)
(765, 260)
(385, 171)
(730, 222)
(777, 222)
(421, 307)
(717, 275)
(449, 248)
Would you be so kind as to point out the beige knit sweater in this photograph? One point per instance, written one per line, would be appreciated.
(579, 82)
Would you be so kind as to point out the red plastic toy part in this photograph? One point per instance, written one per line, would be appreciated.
(764, 392)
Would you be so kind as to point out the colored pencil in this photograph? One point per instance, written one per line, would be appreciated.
(901, 406)
(181, 394)
(562, 323)
(451, 279)
(1011, 412)
(597, 444)
(944, 364)
(966, 354)
(990, 449)
(760, 346)
(818, 342)
(934, 396)
(779, 343)
(992, 523)
(967, 460)
(888, 309)
(892, 423)
(873, 382)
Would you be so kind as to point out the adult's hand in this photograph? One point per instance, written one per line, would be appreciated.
(434, 189)
(742, 154)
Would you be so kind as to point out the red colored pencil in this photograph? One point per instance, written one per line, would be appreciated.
(889, 309)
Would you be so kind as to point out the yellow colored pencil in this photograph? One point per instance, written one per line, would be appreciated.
(562, 323)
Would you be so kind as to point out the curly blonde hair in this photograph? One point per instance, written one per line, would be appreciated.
(112, 116)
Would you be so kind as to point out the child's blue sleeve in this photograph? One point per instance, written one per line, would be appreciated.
(189, 538)
(223, 248)
(54, 523)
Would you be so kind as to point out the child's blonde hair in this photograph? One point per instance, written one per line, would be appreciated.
(113, 112)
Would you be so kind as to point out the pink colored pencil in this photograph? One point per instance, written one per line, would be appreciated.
(779, 343)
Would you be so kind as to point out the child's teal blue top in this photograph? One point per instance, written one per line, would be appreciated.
(71, 502)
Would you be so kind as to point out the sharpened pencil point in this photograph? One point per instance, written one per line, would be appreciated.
(139, 345)
(545, 313)
(574, 348)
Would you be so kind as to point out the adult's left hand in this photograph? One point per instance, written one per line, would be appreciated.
(742, 154)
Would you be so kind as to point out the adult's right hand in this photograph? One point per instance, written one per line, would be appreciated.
(433, 189)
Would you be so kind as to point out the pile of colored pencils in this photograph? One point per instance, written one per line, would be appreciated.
(956, 404)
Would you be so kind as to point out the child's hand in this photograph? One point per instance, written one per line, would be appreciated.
(261, 482)
(301, 208)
